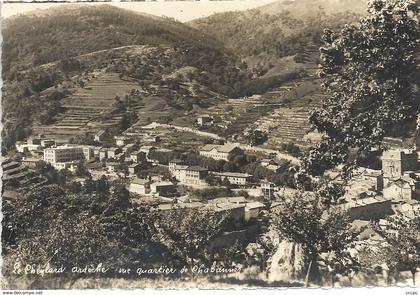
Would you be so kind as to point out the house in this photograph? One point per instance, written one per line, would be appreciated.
(30, 162)
(194, 175)
(134, 168)
(103, 154)
(406, 187)
(35, 140)
(26, 147)
(172, 164)
(100, 136)
(88, 152)
(112, 152)
(59, 156)
(252, 210)
(205, 120)
(371, 208)
(138, 157)
(268, 188)
(220, 152)
(113, 166)
(232, 200)
(188, 174)
(163, 188)
(266, 162)
(397, 161)
(47, 142)
(121, 140)
(240, 179)
(139, 186)
(376, 177)
(271, 164)
(236, 212)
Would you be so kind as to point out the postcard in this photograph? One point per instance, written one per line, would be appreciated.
(210, 144)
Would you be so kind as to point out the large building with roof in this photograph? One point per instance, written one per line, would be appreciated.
(188, 174)
(220, 152)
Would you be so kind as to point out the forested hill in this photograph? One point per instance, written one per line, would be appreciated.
(265, 34)
(61, 50)
(35, 39)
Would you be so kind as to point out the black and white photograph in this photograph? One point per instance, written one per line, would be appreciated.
(210, 144)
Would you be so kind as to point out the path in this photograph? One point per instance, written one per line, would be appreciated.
(245, 147)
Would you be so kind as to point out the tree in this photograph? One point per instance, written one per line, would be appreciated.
(303, 219)
(369, 72)
(102, 186)
(81, 168)
(403, 237)
(256, 137)
(187, 233)
(76, 241)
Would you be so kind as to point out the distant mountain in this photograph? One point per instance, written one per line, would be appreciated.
(264, 35)
(56, 33)
(47, 56)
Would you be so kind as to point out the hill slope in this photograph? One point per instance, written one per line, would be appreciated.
(264, 35)
(47, 58)
(65, 31)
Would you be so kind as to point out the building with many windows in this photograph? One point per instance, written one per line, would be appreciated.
(235, 178)
(58, 156)
(220, 152)
(188, 174)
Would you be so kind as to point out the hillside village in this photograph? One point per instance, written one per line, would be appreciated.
(153, 175)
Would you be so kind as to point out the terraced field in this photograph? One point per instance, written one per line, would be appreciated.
(289, 123)
(20, 176)
(90, 108)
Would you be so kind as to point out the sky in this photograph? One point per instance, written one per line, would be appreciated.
(181, 10)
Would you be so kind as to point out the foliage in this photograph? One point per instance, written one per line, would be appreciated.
(292, 149)
(369, 70)
(187, 233)
(403, 238)
(303, 219)
(262, 36)
(256, 137)
(81, 229)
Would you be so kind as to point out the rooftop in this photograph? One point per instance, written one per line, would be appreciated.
(233, 174)
(196, 168)
(163, 183)
(228, 200)
(140, 181)
(226, 148)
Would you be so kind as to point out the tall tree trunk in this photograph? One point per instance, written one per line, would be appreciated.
(413, 275)
(308, 272)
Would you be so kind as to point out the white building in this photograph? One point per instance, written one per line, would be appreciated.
(25, 147)
(240, 179)
(220, 152)
(139, 186)
(404, 188)
(59, 157)
(121, 140)
(188, 174)
(205, 120)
